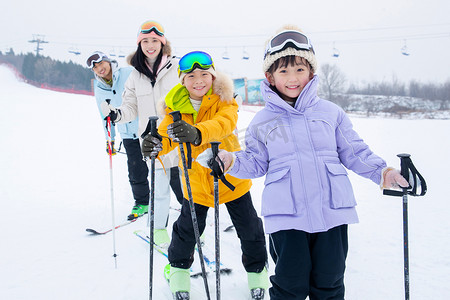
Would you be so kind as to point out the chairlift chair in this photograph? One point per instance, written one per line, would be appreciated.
(74, 50)
(404, 50)
(225, 55)
(245, 55)
(335, 51)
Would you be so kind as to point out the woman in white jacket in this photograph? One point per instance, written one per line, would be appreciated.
(154, 75)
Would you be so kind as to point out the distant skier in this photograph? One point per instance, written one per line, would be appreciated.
(301, 143)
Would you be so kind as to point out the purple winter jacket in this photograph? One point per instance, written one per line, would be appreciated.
(302, 150)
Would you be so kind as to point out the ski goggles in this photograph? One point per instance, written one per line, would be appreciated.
(96, 57)
(150, 26)
(288, 38)
(195, 59)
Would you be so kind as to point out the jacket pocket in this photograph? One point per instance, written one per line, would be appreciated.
(341, 191)
(277, 196)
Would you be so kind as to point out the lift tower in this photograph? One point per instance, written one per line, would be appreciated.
(38, 39)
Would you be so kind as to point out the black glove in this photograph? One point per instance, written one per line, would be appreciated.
(113, 152)
(182, 132)
(151, 146)
(109, 111)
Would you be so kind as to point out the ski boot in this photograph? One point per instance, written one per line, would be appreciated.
(161, 238)
(138, 211)
(258, 284)
(179, 282)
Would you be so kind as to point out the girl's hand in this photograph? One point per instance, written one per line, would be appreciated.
(227, 158)
(393, 179)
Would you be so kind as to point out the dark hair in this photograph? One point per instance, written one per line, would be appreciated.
(138, 62)
(286, 61)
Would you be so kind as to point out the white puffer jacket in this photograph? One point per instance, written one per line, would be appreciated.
(140, 99)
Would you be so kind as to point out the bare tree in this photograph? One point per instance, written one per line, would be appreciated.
(332, 81)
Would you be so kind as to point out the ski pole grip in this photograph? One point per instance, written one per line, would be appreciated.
(215, 148)
(176, 115)
(151, 127)
(404, 157)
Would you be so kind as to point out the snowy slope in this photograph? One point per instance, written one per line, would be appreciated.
(54, 183)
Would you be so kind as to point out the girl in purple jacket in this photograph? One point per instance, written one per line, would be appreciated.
(304, 144)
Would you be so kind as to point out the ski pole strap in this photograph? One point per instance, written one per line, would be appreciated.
(176, 115)
(217, 165)
(414, 178)
(189, 155)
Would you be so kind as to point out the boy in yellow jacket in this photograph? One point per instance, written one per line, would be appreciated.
(208, 113)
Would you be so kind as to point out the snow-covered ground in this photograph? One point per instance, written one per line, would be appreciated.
(54, 183)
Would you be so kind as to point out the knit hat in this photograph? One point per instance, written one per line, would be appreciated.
(151, 29)
(210, 70)
(289, 50)
(96, 57)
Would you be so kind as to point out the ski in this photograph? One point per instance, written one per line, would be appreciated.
(211, 263)
(143, 236)
(95, 232)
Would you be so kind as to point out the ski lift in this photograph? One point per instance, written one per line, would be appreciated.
(404, 50)
(112, 53)
(245, 55)
(74, 50)
(225, 55)
(335, 51)
(121, 54)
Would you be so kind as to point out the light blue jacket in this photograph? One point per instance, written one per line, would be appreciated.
(103, 91)
(304, 152)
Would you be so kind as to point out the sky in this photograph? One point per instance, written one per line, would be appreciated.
(368, 35)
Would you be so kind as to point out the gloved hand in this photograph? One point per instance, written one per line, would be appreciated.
(205, 159)
(107, 110)
(113, 152)
(151, 146)
(393, 179)
(182, 132)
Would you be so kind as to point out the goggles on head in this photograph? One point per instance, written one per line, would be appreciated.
(195, 59)
(150, 26)
(96, 57)
(288, 38)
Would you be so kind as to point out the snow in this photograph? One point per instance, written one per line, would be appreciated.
(55, 184)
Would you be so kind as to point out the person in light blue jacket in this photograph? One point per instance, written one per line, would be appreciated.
(109, 84)
(303, 145)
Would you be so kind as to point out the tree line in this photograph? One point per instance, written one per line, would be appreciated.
(333, 82)
(45, 70)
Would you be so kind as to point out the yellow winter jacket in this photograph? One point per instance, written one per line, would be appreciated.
(216, 120)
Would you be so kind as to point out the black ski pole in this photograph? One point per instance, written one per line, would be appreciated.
(176, 115)
(407, 169)
(152, 128)
(215, 151)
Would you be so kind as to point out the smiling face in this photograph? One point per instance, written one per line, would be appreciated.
(198, 83)
(290, 79)
(103, 69)
(151, 47)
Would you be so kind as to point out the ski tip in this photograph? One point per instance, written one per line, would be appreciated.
(92, 231)
(132, 217)
(226, 271)
(229, 228)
